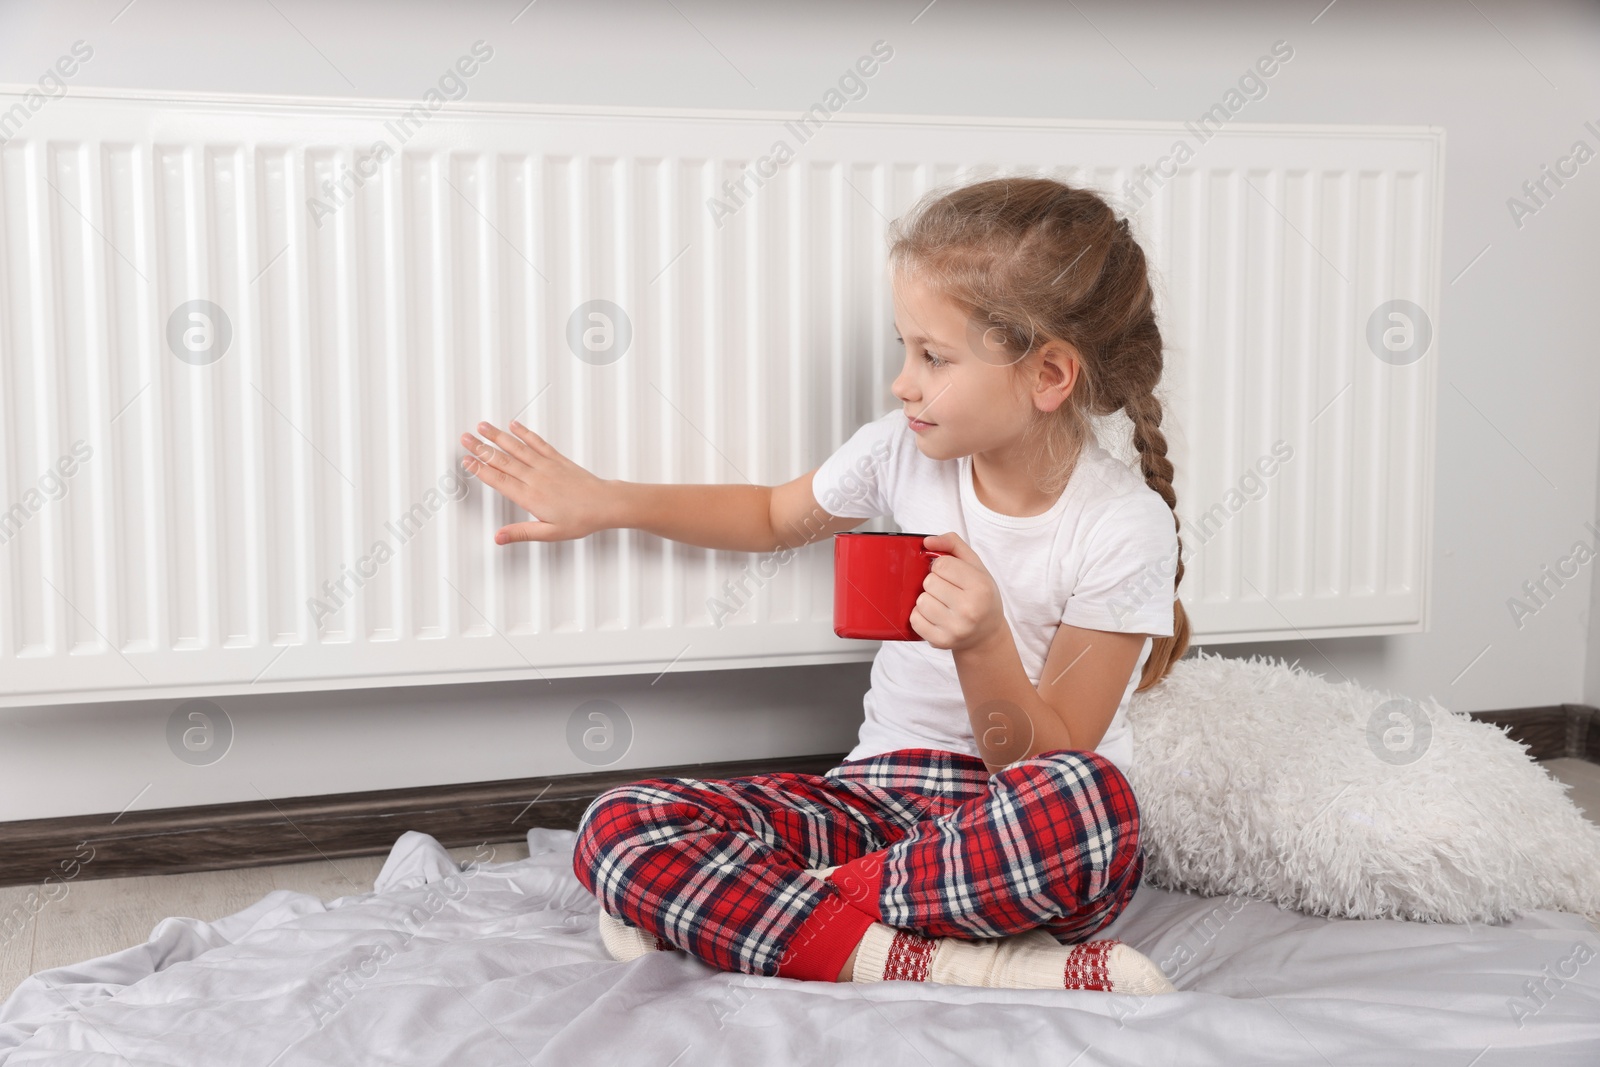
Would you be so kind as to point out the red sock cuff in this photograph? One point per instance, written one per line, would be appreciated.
(860, 880)
(824, 940)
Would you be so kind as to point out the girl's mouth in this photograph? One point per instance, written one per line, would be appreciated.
(917, 424)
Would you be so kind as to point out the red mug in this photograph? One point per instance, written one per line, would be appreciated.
(877, 578)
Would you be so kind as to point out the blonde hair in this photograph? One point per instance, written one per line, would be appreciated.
(1031, 260)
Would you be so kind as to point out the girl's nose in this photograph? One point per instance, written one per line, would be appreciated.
(901, 392)
(902, 388)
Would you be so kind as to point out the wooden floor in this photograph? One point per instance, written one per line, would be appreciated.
(1584, 777)
(97, 917)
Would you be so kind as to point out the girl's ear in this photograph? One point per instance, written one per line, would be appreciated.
(1058, 374)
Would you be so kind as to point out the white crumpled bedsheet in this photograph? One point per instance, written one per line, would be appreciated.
(502, 964)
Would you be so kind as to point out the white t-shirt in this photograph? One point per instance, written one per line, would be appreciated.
(1102, 557)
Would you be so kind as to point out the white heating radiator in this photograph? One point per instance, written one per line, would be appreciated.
(183, 517)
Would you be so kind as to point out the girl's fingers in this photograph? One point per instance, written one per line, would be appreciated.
(940, 590)
(533, 440)
(494, 457)
(477, 468)
(521, 531)
(953, 570)
(495, 479)
(509, 443)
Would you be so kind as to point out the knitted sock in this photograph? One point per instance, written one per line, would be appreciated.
(1032, 960)
(626, 942)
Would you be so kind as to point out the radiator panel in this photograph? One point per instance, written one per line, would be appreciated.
(225, 500)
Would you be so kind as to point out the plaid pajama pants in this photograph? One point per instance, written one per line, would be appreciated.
(924, 839)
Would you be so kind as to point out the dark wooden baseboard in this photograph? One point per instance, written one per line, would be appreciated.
(1551, 732)
(298, 829)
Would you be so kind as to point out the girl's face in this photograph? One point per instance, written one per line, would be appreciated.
(957, 378)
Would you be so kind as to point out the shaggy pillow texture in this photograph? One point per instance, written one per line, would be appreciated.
(1259, 779)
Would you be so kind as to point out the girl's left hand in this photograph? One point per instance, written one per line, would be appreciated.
(960, 603)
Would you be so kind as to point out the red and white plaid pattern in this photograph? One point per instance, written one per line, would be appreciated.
(718, 867)
(909, 957)
(1086, 965)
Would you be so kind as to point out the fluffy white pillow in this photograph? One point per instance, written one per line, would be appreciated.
(1263, 780)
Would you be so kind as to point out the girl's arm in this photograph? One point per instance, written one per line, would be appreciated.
(1080, 686)
(568, 502)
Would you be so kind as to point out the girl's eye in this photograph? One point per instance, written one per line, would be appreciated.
(933, 360)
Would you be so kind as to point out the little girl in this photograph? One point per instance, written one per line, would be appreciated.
(983, 828)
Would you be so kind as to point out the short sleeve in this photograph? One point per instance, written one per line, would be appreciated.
(1125, 582)
(855, 481)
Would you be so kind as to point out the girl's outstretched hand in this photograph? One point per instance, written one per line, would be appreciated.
(567, 501)
(960, 604)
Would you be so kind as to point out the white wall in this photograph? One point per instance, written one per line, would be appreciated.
(1512, 83)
